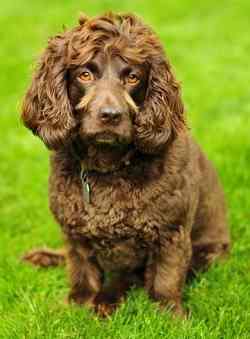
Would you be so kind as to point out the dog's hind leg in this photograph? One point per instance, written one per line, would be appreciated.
(210, 234)
(45, 257)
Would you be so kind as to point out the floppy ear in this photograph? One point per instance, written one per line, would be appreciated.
(46, 108)
(162, 115)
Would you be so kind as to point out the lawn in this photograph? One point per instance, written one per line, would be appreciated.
(208, 44)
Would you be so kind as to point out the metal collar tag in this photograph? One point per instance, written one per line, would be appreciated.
(85, 186)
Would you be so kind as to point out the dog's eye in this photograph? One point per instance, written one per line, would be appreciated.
(86, 76)
(132, 79)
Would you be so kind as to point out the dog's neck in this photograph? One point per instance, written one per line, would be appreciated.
(126, 161)
(115, 163)
(105, 160)
(102, 159)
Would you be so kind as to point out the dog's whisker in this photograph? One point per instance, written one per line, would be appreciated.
(132, 105)
(85, 100)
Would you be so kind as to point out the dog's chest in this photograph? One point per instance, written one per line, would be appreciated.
(121, 210)
(123, 220)
(120, 224)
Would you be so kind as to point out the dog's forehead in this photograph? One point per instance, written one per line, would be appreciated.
(102, 59)
(116, 63)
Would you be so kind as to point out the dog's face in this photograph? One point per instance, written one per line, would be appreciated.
(106, 94)
(107, 81)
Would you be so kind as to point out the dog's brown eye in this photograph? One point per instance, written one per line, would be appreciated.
(86, 76)
(132, 79)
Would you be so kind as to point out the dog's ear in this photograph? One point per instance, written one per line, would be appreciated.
(162, 115)
(46, 109)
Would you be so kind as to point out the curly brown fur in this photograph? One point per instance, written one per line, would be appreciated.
(157, 209)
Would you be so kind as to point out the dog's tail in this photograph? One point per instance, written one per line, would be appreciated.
(45, 257)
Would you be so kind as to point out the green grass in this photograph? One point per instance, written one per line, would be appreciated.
(208, 44)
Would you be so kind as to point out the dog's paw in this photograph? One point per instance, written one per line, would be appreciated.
(101, 308)
(106, 303)
(44, 257)
(105, 310)
(82, 298)
(176, 309)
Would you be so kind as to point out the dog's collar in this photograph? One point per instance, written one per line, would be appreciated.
(86, 172)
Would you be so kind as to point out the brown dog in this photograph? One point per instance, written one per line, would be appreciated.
(130, 188)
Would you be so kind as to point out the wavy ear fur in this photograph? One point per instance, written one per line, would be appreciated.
(162, 115)
(46, 109)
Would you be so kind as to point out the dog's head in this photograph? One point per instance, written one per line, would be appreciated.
(106, 81)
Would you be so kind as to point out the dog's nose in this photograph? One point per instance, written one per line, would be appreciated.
(110, 115)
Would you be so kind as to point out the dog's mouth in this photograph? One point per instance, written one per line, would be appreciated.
(108, 139)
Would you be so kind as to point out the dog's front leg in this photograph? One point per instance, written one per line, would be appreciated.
(165, 275)
(85, 276)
